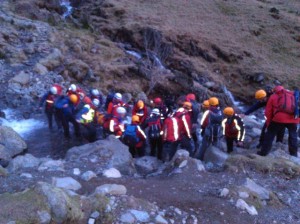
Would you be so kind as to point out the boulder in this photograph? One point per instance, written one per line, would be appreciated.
(12, 142)
(251, 122)
(44, 217)
(112, 173)
(88, 175)
(111, 153)
(141, 216)
(78, 69)
(5, 157)
(3, 172)
(21, 162)
(40, 69)
(111, 189)
(53, 60)
(127, 218)
(52, 165)
(67, 183)
(22, 78)
(147, 164)
(257, 190)
(160, 220)
(241, 204)
(215, 156)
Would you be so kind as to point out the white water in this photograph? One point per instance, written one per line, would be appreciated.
(67, 4)
(158, 62)
(134, 54)
(22, 126)
(235, 102)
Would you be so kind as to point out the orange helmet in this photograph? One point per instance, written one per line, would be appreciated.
(229, 111)
(213, 101)
(135, 119)
(260, 94)
(191, 96)
(73, 98)
(205, 104)
(187, 105)
(140, 104)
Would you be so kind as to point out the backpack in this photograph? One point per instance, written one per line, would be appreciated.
(297, 103)
(213, 130)
(154, 127)
(286, 102)
(109, 99)
(130, 137)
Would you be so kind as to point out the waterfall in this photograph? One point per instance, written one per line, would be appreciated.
(68, 6)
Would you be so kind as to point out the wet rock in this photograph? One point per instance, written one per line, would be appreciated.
(40, 69)
(22, 78)
(21, 162)
(243, 194)
(256, 132)
(241, 204)
(95, 215)
(3, 172)
(2, 114)
(26, 175)
(88, 175)
(12, 142)
(112, 152)
(52, 165)
(224, 192)
(67, 183)
(44, 217)
(215, 156)
(112, 173)
(147, 164)
(160, 220)
(256, 189)
(5, 157)
(141, 216)
(112, 189)
(251, 122)
(76, 171)
(127, 218)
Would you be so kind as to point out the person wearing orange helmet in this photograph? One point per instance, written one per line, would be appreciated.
(262, 96)
(233, 128)
(210, 126)
(141, 111)
(134, 137)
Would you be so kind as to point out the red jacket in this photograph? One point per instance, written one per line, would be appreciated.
(141, 135)
(115, 126)
(184, 122)
(59, 89)
(112, 107)
(272, 113)
(234, 128)
(142, 113)
(171, 130)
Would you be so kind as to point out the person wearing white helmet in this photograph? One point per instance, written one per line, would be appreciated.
(115, 124)
(96, 95)
(49, 99)
(116, 103)
(154, 125)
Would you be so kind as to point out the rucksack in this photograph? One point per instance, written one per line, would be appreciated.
(214, 130)
(130, 137)
(154, 127)
(297, 103)
(109, 99)
(286, 102)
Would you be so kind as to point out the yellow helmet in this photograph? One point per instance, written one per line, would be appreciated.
(135, 118)
(213, 101)
(73, 98)
(260, 94)
(229, 111)
(140, 104)
(187, 105)
(205, 104)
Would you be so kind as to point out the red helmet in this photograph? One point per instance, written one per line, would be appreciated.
(191, 96)
(87, 100)
(157, 101)
(277, 89)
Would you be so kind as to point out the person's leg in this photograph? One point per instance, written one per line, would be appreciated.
(76, 127)
(159, 149)
(57, 119)
(49, 115)
(272, 131)
(188, 144)
(141, 150)
(65, 124)
(153, 144)
(293, 140)
(229, 142)
(262, 136)
(173, 149)
(132, 151)
(280, 135)
(205, 144)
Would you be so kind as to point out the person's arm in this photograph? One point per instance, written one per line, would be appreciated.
(141, 133)
(186, 126)
(203, 121)
(241, 129)
(43, 99)
(110, 108)
(255, 107)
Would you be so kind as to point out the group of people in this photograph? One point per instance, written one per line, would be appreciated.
(167, 128)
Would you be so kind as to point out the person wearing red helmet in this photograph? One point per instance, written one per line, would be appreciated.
(158, 103)
(279, 113)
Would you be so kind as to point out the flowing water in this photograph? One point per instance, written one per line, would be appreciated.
(68, 6)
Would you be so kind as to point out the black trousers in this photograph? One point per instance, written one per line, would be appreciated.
(66, 120)
(156, 145)
(169, 150)
(90, 132)
(50, 113)
(279, 136)
(275, 128)
(230, 142)
(140, 151)
(188, 144)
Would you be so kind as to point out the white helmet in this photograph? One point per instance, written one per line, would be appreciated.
(87, 106)
(53, 90)
(73, 88)
(121, 110)
(95, 92)
(118, 96)
(155, 111)
(96, 102)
